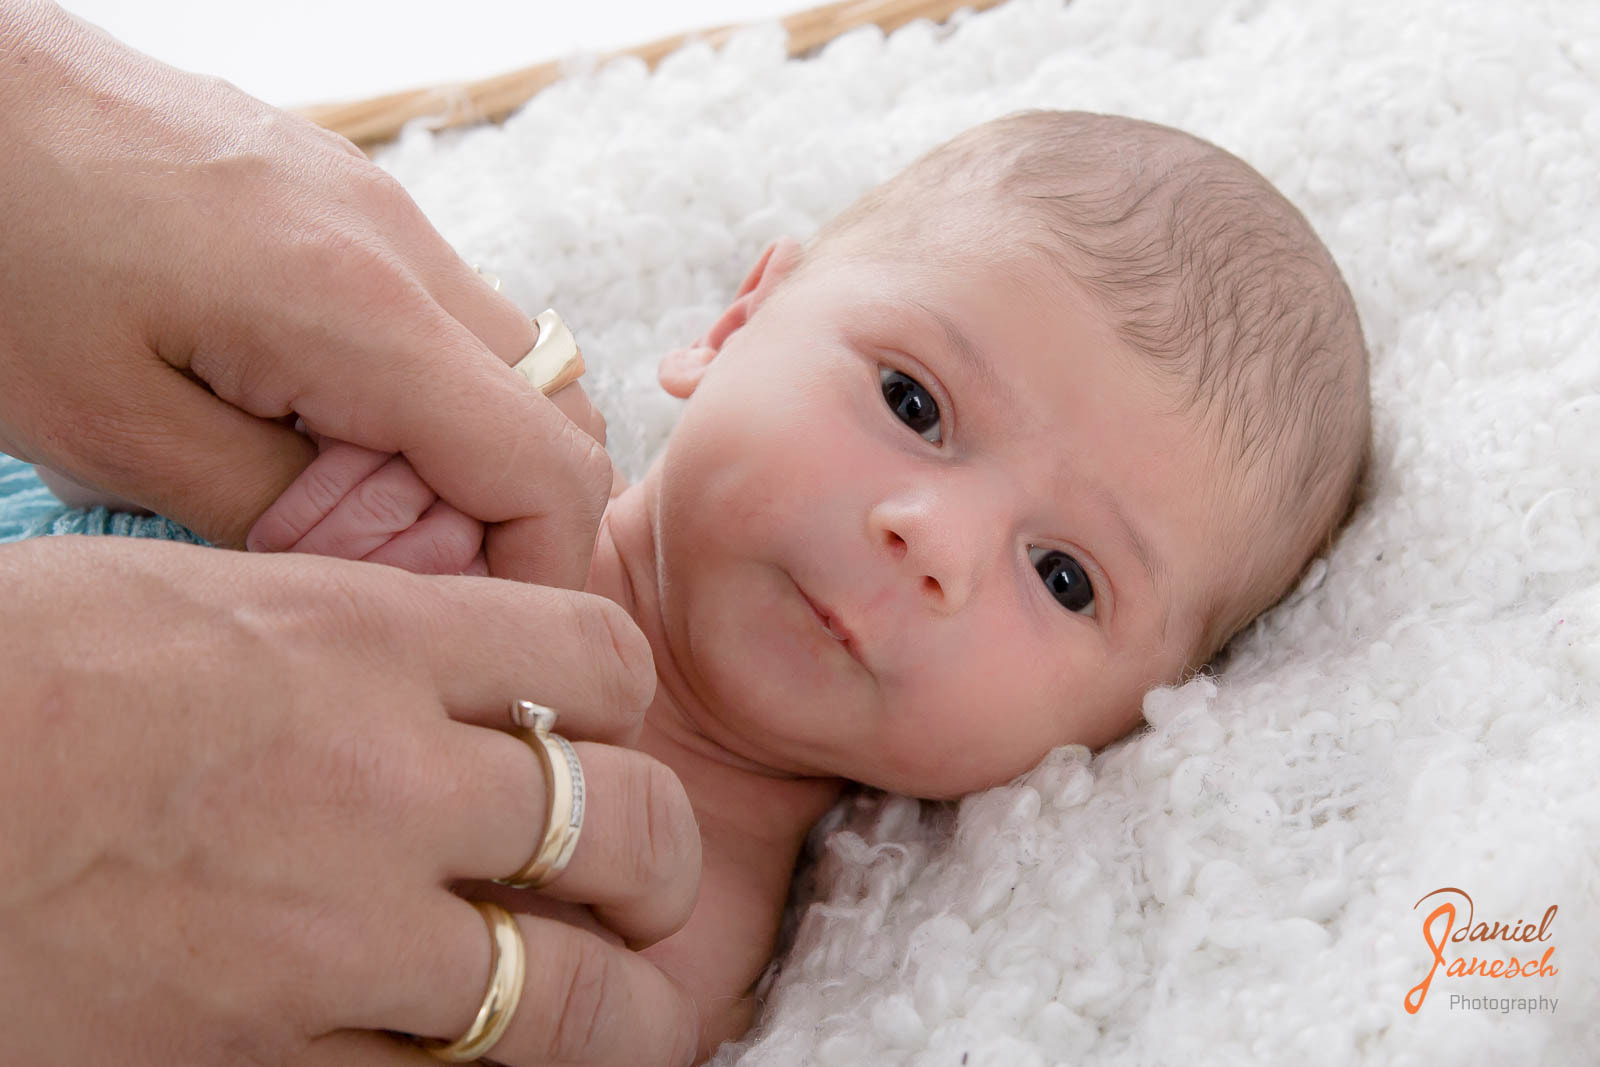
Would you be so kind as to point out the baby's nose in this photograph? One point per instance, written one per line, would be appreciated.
(941, 548)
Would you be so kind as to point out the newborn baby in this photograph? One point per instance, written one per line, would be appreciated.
(1033, 427)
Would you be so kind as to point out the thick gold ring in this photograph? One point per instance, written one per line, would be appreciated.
(563, 794)
(508, 966)
(554, 362)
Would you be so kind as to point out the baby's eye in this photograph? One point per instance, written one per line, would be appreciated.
(1065, 578)
(910, 402)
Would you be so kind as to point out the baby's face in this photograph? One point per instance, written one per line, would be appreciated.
(968, 474)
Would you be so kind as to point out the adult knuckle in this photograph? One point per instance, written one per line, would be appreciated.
(574, 468)
(345, 603)
(370, 774)
(246, 1047)
(594, 463)
(338, 142)
(583, 459)
(588, 1003)
(357, 610)
(594, 636)
(593, 424)
(668, 835)
(377, 184)
(342, 259)
(324, 254)
(385, 200)
(260, 376)
(307, 938)
(626, 677)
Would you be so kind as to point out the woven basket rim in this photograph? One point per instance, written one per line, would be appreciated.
(377, 120)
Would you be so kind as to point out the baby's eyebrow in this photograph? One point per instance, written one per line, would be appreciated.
(1155, 568)
(978, 364)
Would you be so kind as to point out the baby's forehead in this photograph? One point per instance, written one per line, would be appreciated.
(1001, 310)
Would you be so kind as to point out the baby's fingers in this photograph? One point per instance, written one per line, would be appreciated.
(443, 541)
(387, 502)
(312, 496)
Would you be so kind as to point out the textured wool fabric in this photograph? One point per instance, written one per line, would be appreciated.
(23, 500)
(27, 509)
(1239, 882)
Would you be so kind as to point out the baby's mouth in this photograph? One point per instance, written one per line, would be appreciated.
(831, 623)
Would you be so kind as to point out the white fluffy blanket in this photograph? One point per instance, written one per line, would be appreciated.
(1238, 883)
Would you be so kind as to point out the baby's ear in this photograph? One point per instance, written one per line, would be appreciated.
(682, 368)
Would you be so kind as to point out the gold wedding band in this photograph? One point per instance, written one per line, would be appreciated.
(508, 966)
(563, 793)
(554, 362)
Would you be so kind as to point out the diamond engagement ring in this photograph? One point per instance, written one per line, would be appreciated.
(563, 791)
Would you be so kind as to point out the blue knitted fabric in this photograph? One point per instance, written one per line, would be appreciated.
(28, 509)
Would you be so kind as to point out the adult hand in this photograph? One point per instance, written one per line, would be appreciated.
(235, 791)
(185, 268)
(357, 503)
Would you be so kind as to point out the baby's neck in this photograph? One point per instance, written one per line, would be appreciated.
(737, 800)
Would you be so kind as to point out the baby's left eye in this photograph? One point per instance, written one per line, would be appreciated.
(1066, 579)
(910, 402)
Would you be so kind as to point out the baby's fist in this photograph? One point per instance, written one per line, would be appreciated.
(355, 503)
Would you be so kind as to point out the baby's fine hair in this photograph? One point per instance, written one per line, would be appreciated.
(1213, 275)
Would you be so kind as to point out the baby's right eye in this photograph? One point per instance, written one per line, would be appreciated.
(1066, 579)
(910, 402)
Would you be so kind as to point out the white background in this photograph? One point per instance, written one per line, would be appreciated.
(297, 52)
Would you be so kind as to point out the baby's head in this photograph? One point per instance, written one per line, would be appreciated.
(1040, 423)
